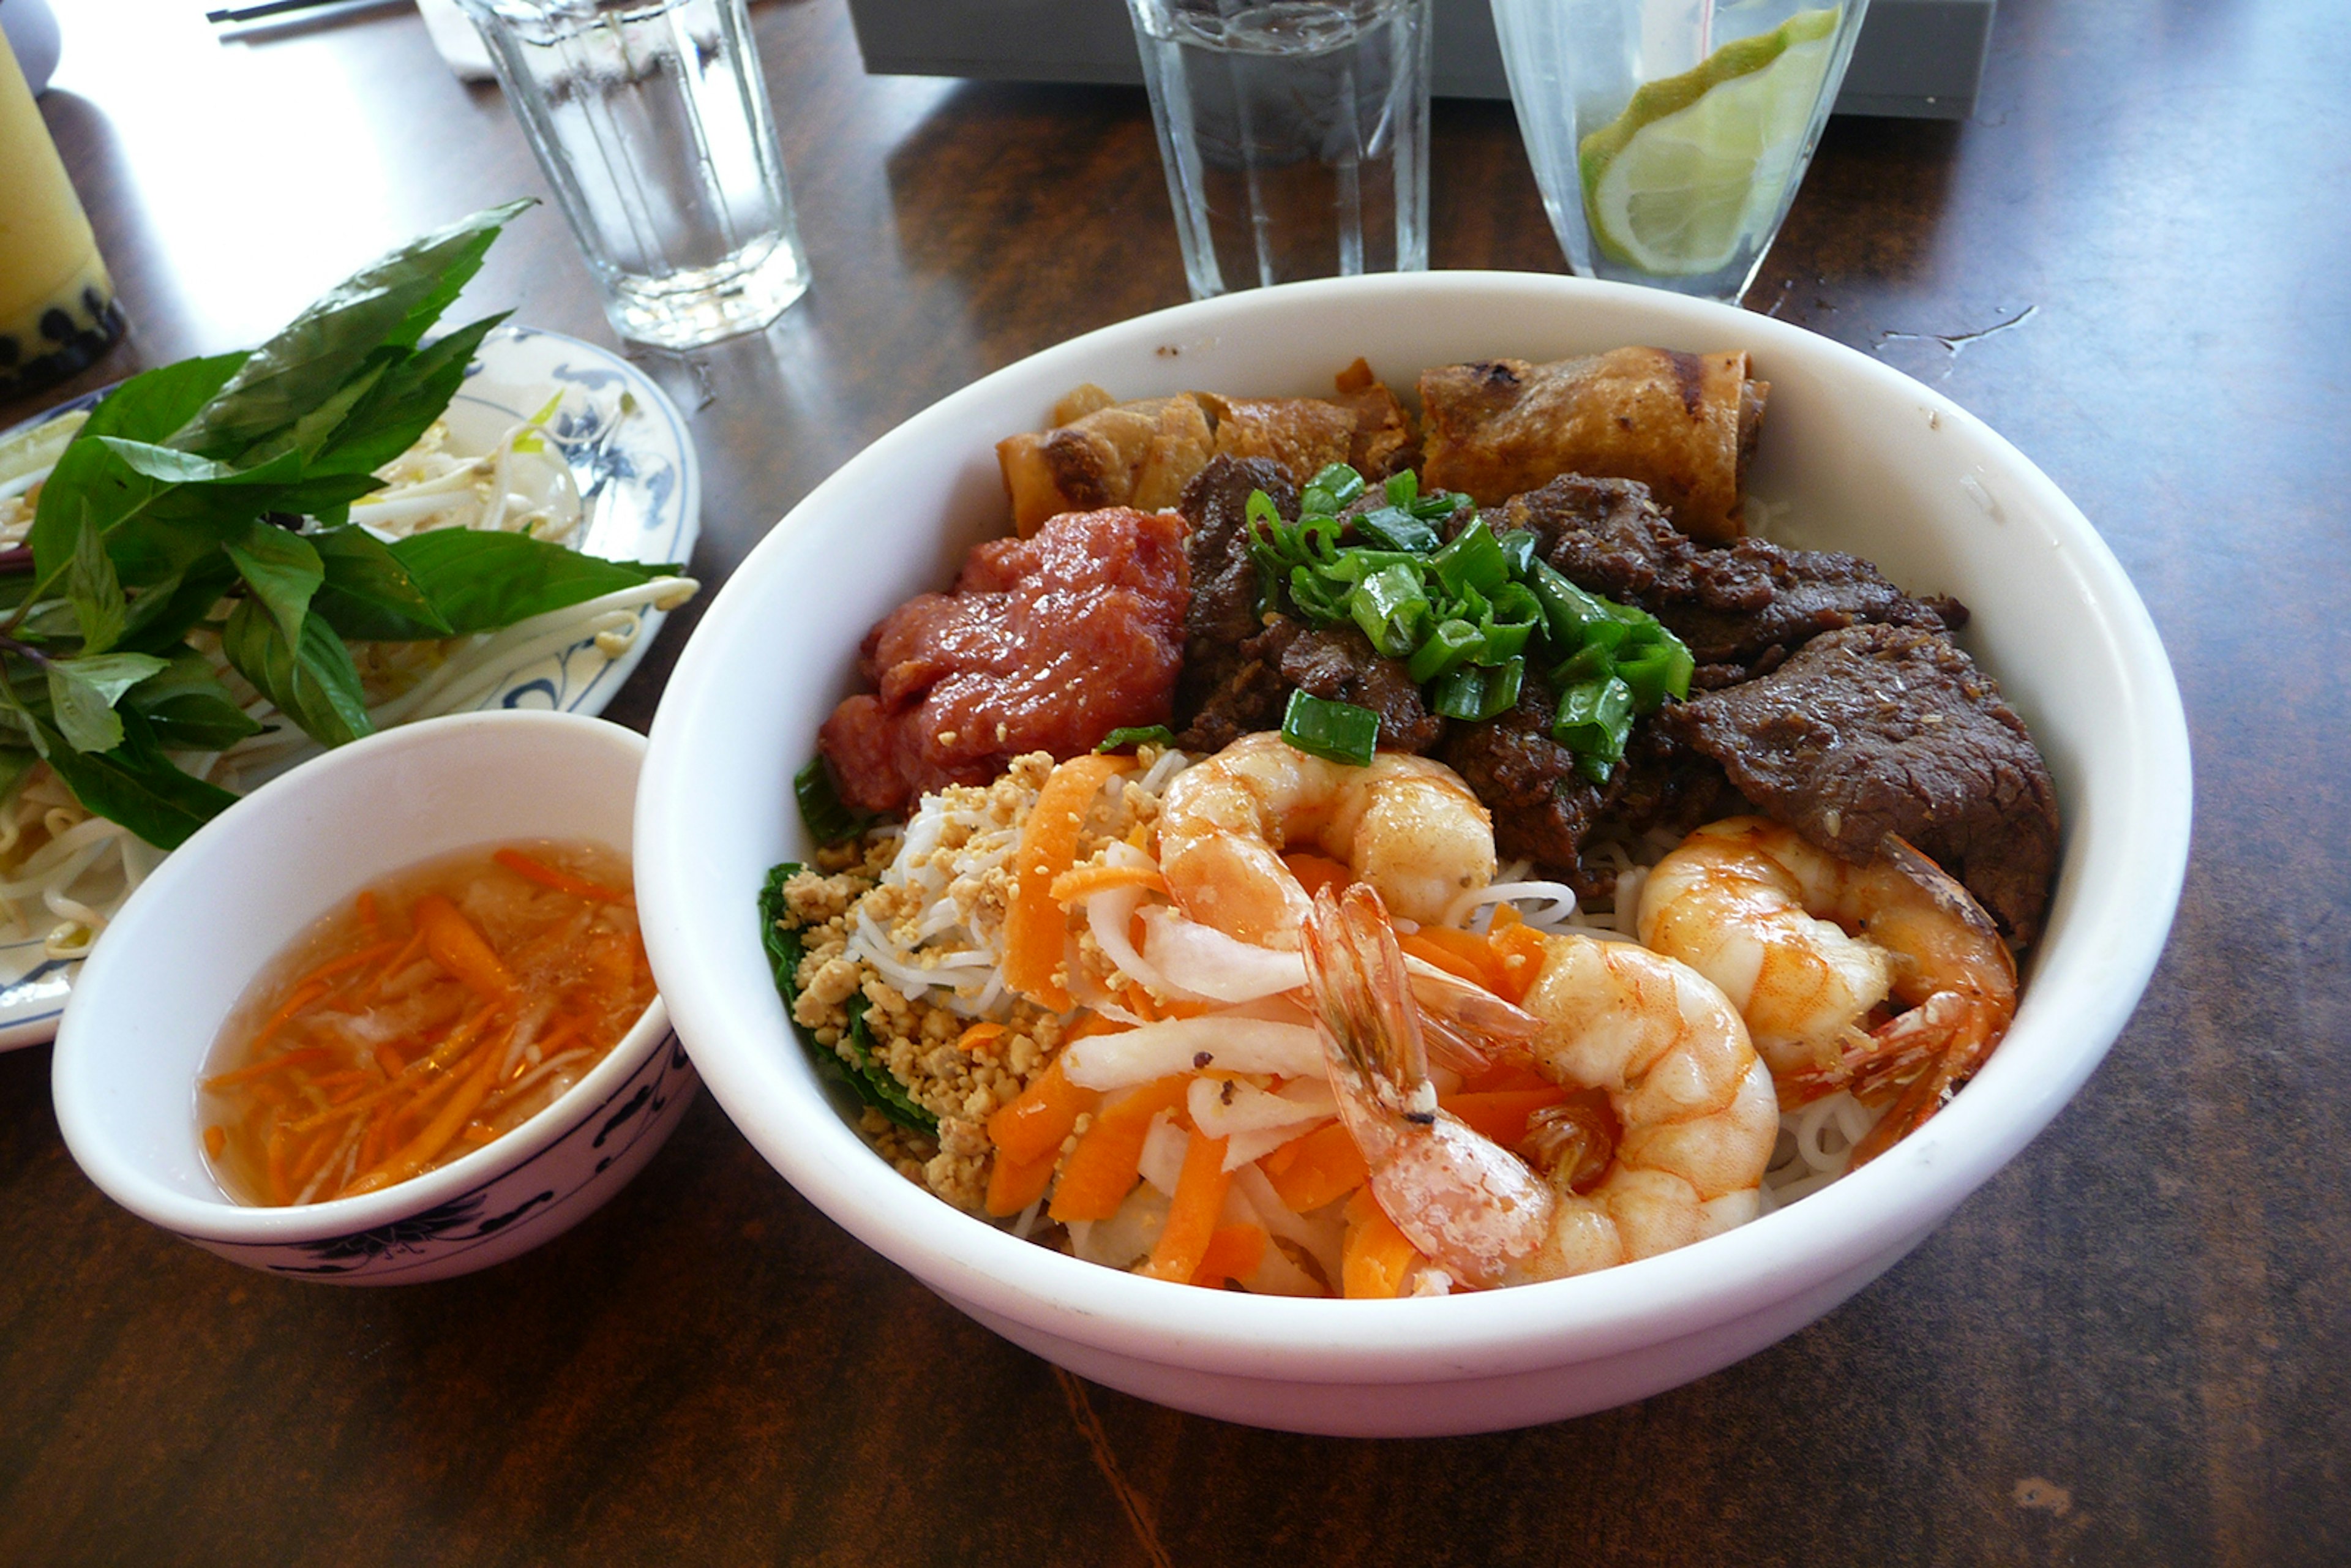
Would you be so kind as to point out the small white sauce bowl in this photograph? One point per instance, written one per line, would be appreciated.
(1853, 457)
(150, 999)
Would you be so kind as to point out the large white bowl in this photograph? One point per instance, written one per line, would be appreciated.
(152, 996)
(1862, 457)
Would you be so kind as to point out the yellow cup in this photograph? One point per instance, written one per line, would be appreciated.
(57, 313)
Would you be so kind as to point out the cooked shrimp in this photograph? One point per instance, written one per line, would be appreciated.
(1807, 945)
(1691, 1106)
(1408, 826)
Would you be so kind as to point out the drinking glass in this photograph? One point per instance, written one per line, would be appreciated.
(1295, 135)
(651, 121)
(57, 313)
(1669, 136)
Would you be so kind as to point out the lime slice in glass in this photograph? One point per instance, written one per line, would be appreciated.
(1681, 181)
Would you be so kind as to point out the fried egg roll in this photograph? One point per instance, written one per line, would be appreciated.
(1683, 424)
(1102, 453)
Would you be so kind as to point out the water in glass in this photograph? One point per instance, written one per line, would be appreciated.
(1295, 135)
(651, 122)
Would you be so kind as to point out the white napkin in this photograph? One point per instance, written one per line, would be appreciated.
(453, 35)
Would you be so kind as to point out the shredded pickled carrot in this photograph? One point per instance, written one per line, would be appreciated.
(1085, 881)
(457, 947)
(545, 875)
(340, 1078)
(1035, 927)
(979, 1037)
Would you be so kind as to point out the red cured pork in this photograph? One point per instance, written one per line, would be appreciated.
(1046, 643)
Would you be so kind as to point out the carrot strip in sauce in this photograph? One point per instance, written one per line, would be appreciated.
(1192, 1212)
(301, 998)
(535, 870)
(1034, 1123)
(417, 1154)
(457, 947)
(1107, 1163)
(215, 1140)
(303, 1057)
(359, 959)
(1233, 1252)
(1034, 924)
(276, 1158)
(369, 914)
(397, 962)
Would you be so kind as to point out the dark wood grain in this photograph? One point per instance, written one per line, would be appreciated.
(2131, 1346)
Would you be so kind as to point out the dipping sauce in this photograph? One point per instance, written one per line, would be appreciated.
(435, 1011)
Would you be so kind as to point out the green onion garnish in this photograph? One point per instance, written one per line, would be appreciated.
(1334, 731)
(1130, 738)
(1467, 616)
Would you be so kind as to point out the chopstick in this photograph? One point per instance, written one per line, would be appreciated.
(237, 14)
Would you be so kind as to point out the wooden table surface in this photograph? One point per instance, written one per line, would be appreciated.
(2130, 1346)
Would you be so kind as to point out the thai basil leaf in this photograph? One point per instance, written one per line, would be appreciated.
(91, 480)
(482, 580)
(392, 301)
(403, 404)
(283, 570)
(136, 785)
(188, 708)
(368, 595)
(313, 682)
(82, 693)
(173, 466)
(168, 611)
(96, 593)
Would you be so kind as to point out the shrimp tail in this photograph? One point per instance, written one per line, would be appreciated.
(1356, 975)
(1973, 1028)
(1463, 1025)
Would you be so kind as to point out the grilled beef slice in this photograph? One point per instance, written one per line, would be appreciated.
(1891, 730)
(1544, 810)
(1741, 607)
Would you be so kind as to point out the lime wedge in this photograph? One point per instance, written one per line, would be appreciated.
(1697, 164)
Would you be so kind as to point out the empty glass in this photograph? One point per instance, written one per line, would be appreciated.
(650, 121)
(1669, 136)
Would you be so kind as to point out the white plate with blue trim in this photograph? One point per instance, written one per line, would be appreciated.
(641, 492)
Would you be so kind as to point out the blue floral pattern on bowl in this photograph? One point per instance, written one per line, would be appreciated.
(591, 1158)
